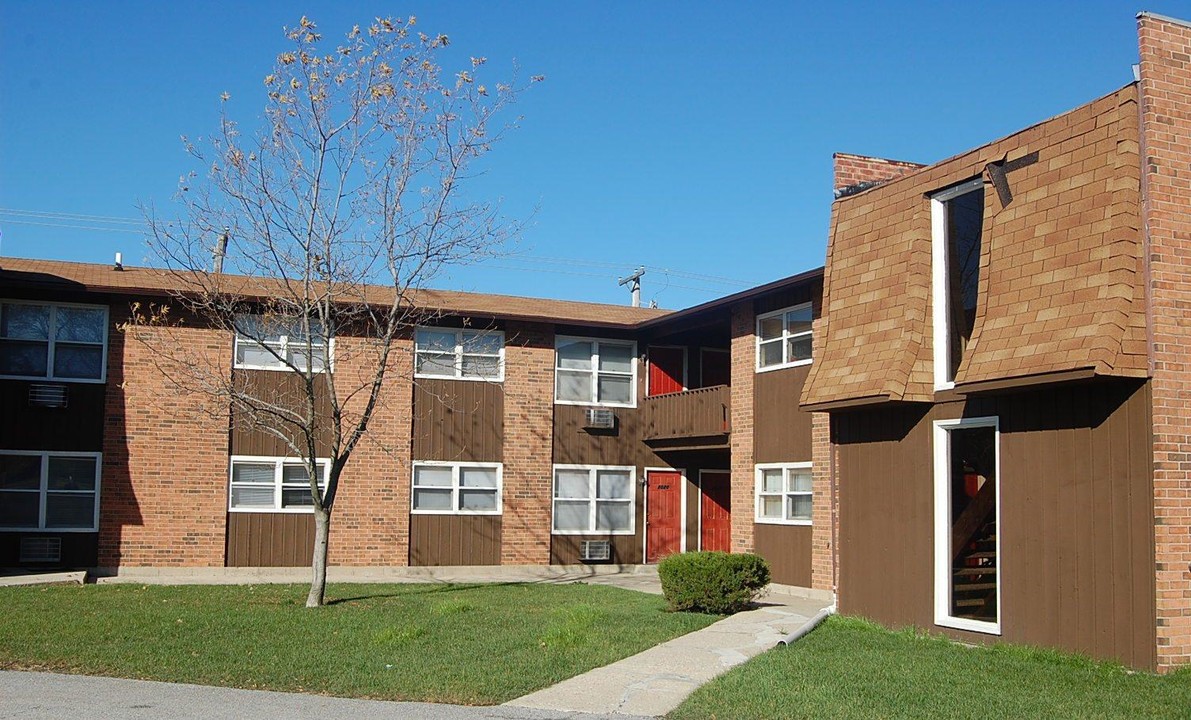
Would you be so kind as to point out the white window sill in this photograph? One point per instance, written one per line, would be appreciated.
(588, 403)
(275, 368)
(784, 366)
(277, 511)
(494, 380)
(593, 532)
(479, 513)
(772, 521)
(48, 530)
(43, 378)
(978, 626)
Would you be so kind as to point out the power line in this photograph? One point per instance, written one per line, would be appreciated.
(71, 216)
(73, 227)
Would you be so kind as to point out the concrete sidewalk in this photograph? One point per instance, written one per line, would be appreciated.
(656, 681)
(50, 696)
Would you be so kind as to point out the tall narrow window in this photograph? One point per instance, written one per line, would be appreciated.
(957, 218)
(967, 550)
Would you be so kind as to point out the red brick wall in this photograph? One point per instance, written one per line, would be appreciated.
(856, 169)
(370, 520)
(163, 495)
(824, 508)
(744, 368)
(1166, 128)
(528, 444)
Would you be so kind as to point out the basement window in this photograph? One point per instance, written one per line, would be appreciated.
(967, 541)
(273, 484)
(446, 488)
(957, 218)
(49, 491)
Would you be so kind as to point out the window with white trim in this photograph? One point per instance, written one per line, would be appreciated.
(273, 484)
(784, 337)
(594, 500)
(460, 354)
(957, 219)
(273, 342)
(49, 491)
(54, 341)
(785, 493)
(448, 488)
(592, 371)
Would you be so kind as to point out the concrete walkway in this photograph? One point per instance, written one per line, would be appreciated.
(654, 682)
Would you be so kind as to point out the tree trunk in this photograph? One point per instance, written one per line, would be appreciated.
(322, 530)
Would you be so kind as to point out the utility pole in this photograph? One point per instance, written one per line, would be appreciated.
(634, 283)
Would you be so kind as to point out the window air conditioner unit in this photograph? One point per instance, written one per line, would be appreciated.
(47, 395)
(594, 550)
(41, 550)
(602, 418)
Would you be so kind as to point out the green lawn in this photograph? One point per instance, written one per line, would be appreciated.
(439, 643)
(849, 668)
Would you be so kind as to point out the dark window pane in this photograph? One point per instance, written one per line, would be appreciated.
(800, 348)
(799, 320)
(69, 473)
(973, 523)
(296, 497)
(965, 216)
(69, 510)
(25, 322)
(19, 509)
(78, 361)
(20, 472)
(29, 359)
(80, 324)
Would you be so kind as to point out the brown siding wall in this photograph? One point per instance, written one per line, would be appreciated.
(788, 550)
(283, 387)
(783, 429)
(458, 420)
(1077, 537)
(626, 549)
(454, 539)
(78, 426)
(270, 539)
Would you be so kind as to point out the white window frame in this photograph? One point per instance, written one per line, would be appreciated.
(455, 486)
(942, 490)
(279, 464)
(595, 371)
(785, 467)
(52, 341)
(278, 365)
(592, 471)
(459, 354)
(940, 325)
(785, 338)
(43, 489)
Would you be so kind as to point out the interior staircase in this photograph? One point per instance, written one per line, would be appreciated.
(974, 574)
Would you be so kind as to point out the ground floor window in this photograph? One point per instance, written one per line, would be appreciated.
(49, 490)
(594, 500)
(273, 484)
(441, 488)
(784, 493)
(967, 507)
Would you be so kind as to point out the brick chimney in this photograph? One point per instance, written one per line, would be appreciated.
(854, 173)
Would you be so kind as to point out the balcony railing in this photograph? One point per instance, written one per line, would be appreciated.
(688, 415)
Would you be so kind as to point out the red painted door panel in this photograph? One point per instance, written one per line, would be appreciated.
(663, 516)
(666, 370)
(716, 368)
(715, 506)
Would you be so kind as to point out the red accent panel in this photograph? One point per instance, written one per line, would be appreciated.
(666, 370)
(715, 512)
(663, 518)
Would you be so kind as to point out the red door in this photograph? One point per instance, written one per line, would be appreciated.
(666, 370)
(715, 516)
(715, 367)
(663, 515)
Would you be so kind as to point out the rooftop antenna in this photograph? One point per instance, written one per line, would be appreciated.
(119, 261)
(221, 249)
(634, 283)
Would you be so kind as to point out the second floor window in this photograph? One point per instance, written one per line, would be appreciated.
(784, 337)
(279, 343)
(590, 371)
(461, 354)
(53, 341)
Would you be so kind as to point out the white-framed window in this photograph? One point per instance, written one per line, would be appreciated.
(273, 484)
(595, 371)
(784, 337)
(594, 499)
(785, 493)
(456, 488)
(967, 540)
(459, 353)
(957, 218)
(276, 343)
(53, 341)
(56, 491)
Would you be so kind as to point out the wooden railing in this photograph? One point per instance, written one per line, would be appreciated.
(698, 413)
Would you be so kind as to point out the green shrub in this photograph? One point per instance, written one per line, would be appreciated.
(713, 582)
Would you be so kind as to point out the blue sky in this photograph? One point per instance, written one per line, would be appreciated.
(692, 137)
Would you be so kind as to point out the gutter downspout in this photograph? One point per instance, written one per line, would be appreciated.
(810, 625)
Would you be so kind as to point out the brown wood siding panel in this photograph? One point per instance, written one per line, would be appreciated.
(283, 388)
(270, 539)
(781, 429)
(787, 548)
(575, 445)
(458, 420)
(454, 539)
(77, 427)
(1076, 501)
(701, 413)
(626, 549)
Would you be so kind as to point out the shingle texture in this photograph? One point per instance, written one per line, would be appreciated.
(136, 280)
(1061, 284)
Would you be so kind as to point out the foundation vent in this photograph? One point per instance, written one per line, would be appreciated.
(600, 418)
(47, 395)
(41, 550)
(595, 550)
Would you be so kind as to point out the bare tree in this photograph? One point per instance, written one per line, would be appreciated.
(310, 238)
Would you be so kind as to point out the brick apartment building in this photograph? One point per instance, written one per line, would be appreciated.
(971, 420)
